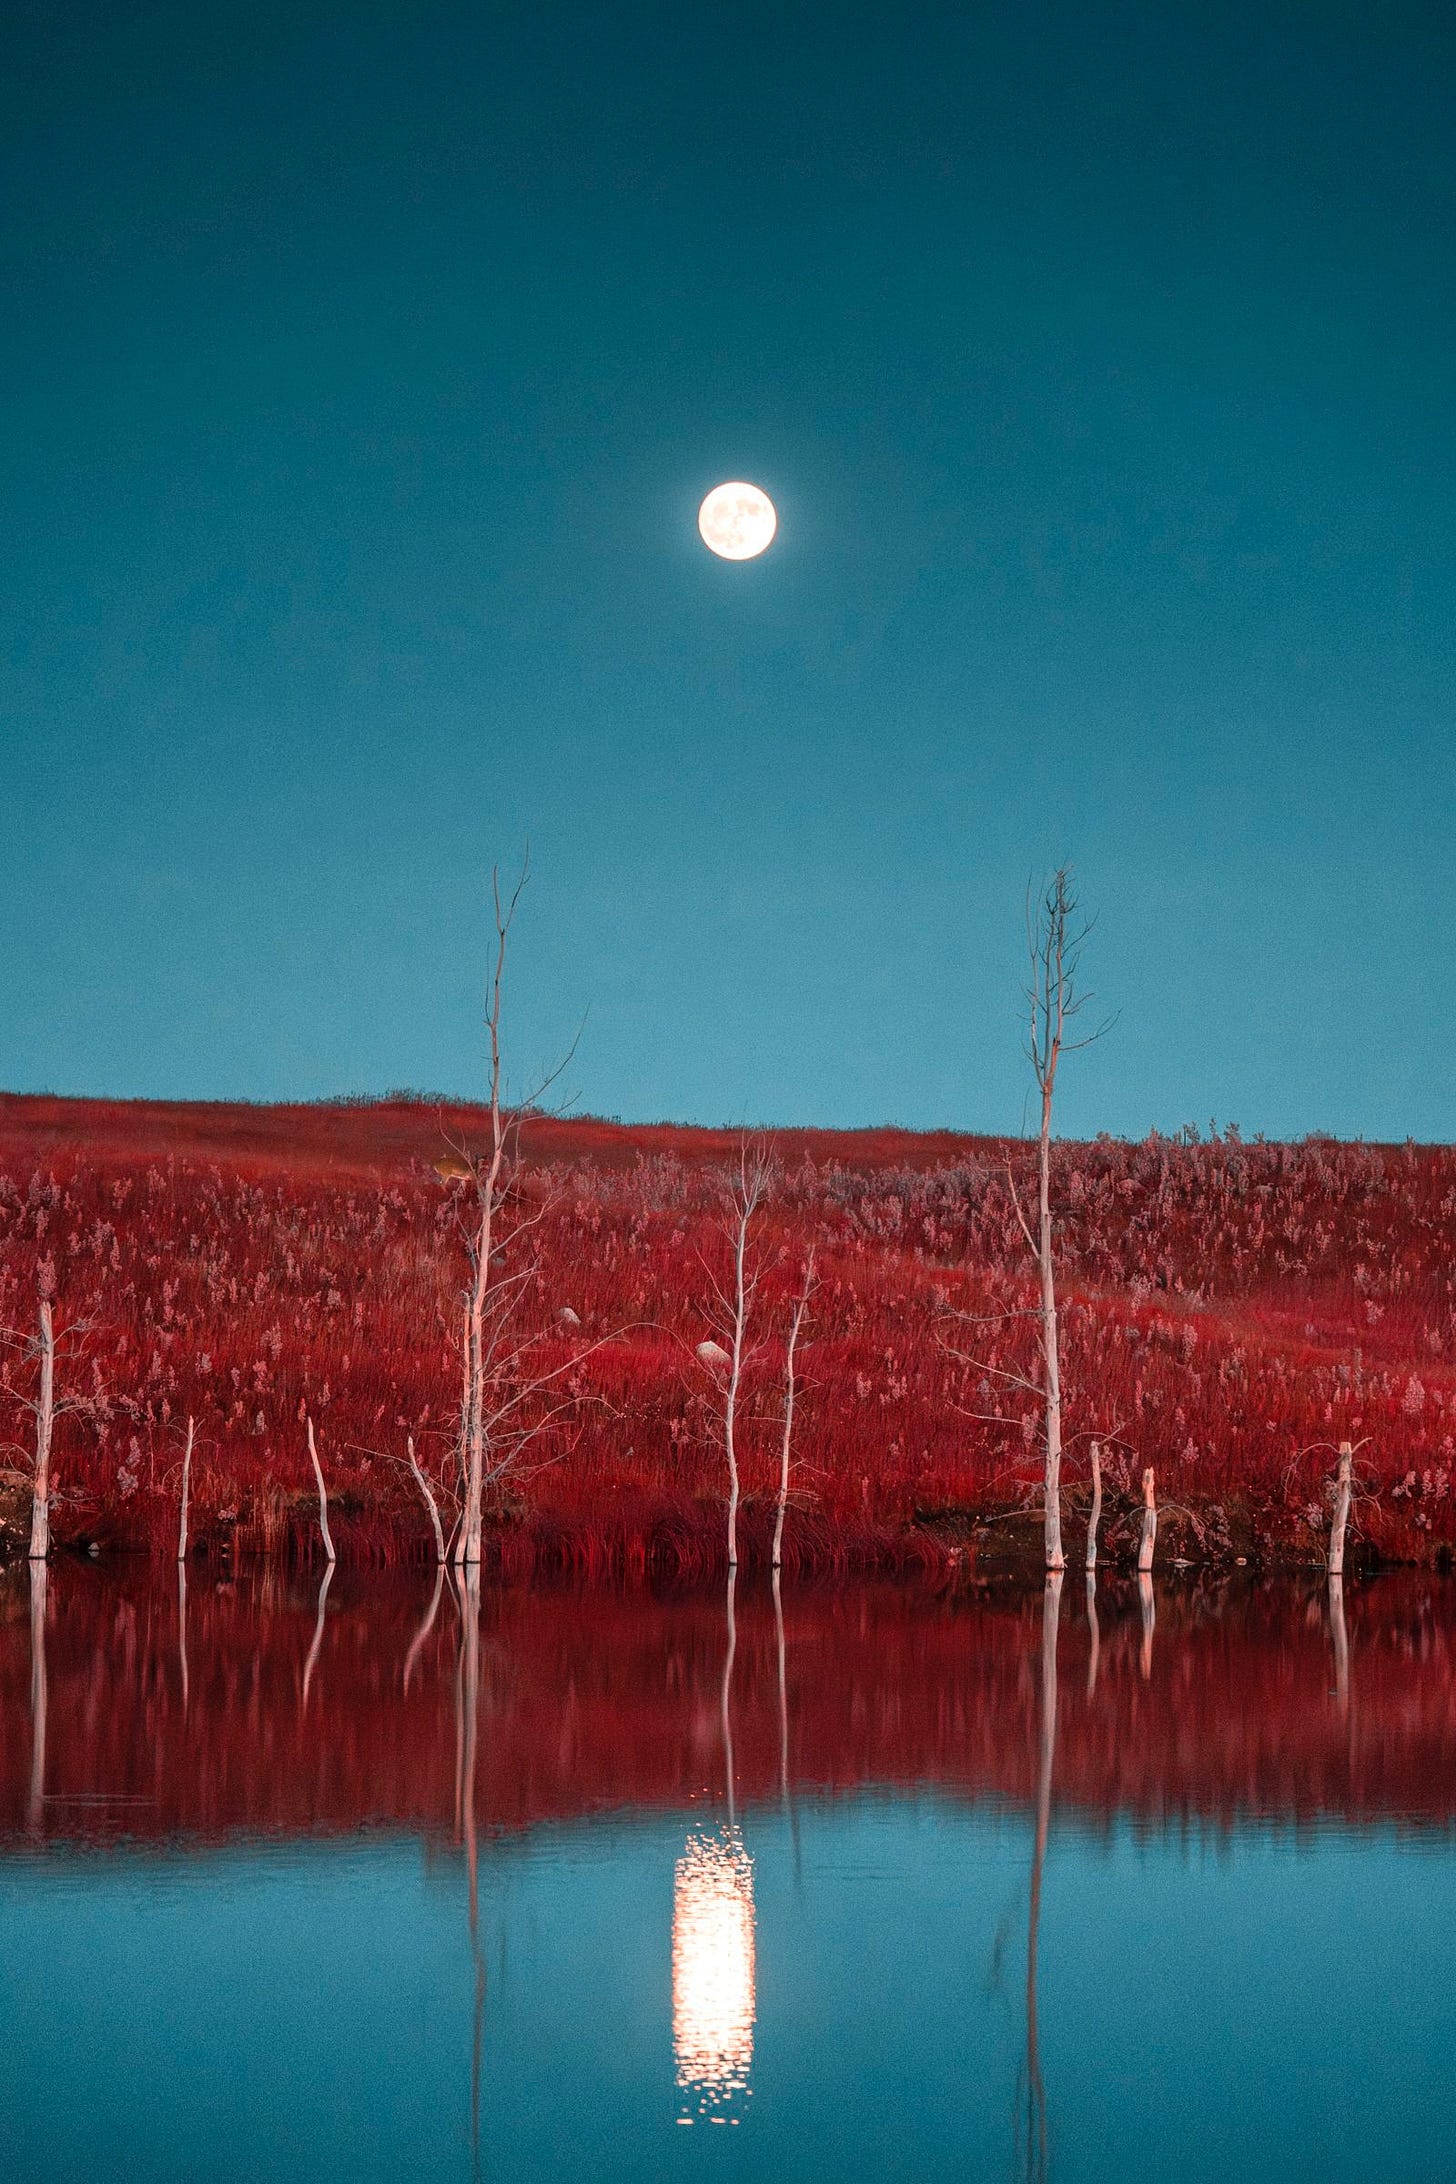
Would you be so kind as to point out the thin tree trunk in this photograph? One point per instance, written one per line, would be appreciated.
(318, 1472)
(430, 1503)
(735, 1375)
(1096, 1517)
(790, 1385)
(1150, 1526)
(1342, 1512)
(186, 1486)
(45, 1417)
(1051, 1359)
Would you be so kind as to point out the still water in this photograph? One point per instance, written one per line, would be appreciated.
(862, 1883)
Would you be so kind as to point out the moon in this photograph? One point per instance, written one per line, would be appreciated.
(737, 521)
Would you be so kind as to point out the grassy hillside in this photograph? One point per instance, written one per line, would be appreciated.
(1231, 1311)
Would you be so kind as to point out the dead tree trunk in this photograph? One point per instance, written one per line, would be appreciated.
(1342, 1512)
(1055, 934)
(1150, 1526)
(1051, 1350)
(430, 1502)
(186, 1487)
(318, 1472)
(801, 1306)
(45, 1418)
(1096, 1517)
(487, 1173)
(754, 1169)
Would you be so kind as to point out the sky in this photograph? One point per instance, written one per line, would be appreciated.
(363, 367)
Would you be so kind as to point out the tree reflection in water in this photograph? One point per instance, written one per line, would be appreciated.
(35, 1802)
(713, 1979)
(1031, 2106)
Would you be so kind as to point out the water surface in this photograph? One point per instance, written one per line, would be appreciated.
(863, 1883)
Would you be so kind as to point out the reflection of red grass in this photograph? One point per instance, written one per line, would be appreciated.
(591, 1700)
(1229, 1305)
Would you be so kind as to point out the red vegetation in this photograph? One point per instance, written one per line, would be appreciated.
(1231, 1311)
(591, 1700)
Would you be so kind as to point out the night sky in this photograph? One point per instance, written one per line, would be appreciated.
(362, 369)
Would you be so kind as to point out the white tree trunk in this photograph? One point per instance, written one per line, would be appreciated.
(735, 1375)
(430, 1503)
(1096, 1517)
(186, 1487)
(790, 1384)
(318, 1472)
(45, 1417)
(1342, 1512)
(1051, 1357)
(1150, 1526)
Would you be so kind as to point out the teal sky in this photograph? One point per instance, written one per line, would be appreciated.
(364, 366)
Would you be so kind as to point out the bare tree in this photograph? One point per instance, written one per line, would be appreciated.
(431, 1503)
(511, 1401)
(186, 1493)
(45, 1418)
(1335, 1563)
(1055, 932)
(323, 1495)
(40, 1354)
(485, 1173)
(801, 1307)
(1095, 1517)
(732, 1312)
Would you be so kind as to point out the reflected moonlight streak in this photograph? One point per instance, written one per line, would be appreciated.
(713, 1972)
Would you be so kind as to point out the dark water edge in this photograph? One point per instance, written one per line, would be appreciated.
(375, 1878)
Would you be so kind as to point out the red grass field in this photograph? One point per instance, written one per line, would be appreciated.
(1231, 1310)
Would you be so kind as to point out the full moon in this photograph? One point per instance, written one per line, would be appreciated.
(737, 521)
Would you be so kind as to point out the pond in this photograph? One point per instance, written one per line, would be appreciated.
(387, 1880)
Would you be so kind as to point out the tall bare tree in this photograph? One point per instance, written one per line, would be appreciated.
(732, 1314)
(485, 1173)
(1055, 932)
(791, 1388)
(510, 1399)
(38, 1357)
